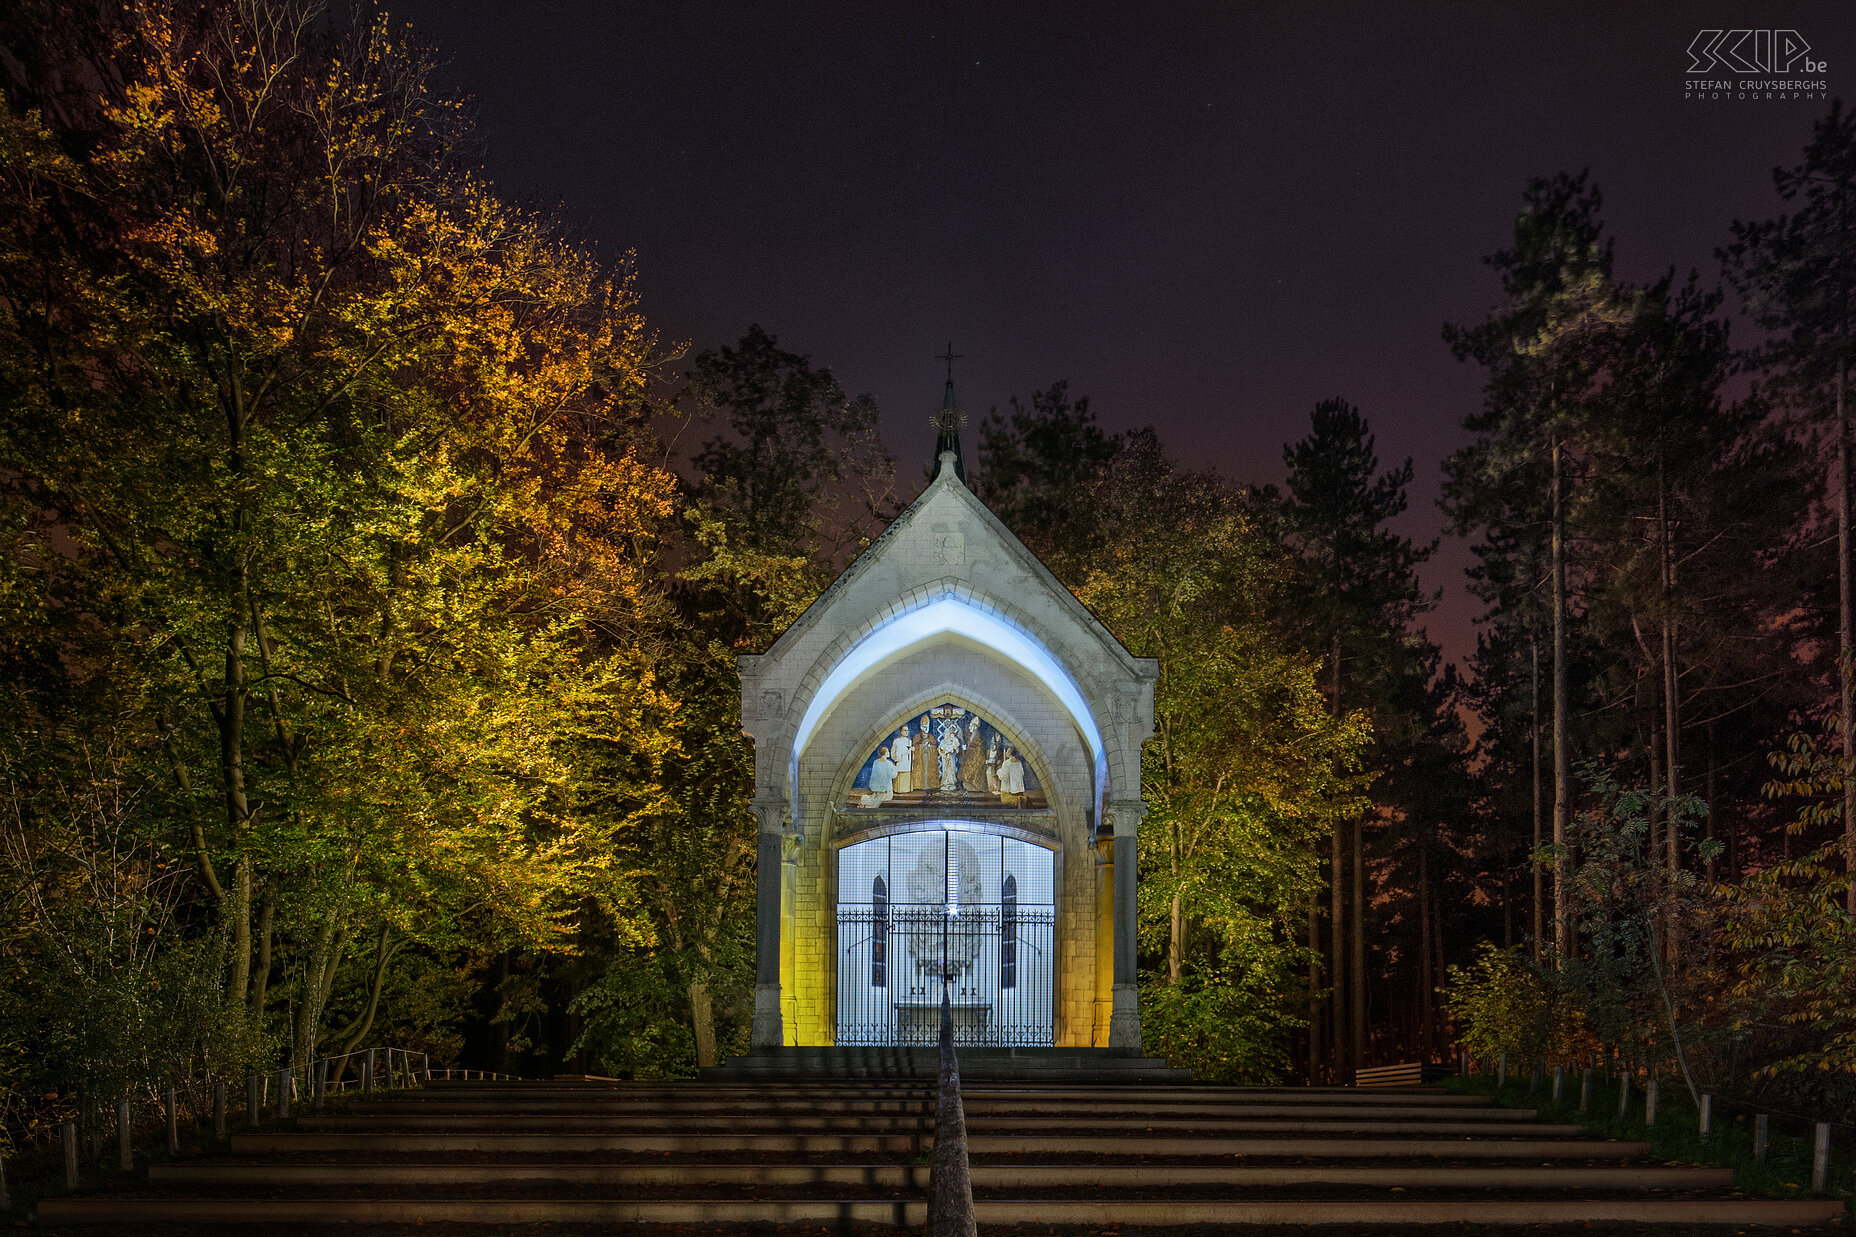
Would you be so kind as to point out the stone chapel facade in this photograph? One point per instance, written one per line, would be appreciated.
(947, 752)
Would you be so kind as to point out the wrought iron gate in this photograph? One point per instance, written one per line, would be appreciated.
(995, 961)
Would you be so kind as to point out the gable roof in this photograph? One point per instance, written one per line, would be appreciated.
(946, 486)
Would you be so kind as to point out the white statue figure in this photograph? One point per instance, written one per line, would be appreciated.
(1011, 779)
(882, 779)
(947, 744)
(902, 755)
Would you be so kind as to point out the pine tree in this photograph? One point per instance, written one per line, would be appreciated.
(1538, 351)
(1798, 275)
(1361, 599)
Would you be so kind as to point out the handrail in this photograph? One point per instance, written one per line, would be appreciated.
(1497, 1064)
(950, 1181)
(85, 1139)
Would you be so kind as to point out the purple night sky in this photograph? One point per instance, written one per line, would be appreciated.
(1206, 217)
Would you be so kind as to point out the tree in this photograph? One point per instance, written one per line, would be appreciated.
(778, 497)
(1360, 600)
(1791, 928)
(1542, 368)
(1036, 465)
(1248, 767)
(1797, 273)
(1690, 503)
(792, 439)
(336, 458)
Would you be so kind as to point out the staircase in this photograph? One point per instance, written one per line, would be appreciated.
(856, 1151)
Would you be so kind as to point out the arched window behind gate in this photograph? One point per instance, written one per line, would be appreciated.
(1008, 933)
(879, 933)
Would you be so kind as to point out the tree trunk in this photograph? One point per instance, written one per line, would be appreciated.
(1176, 927)
(1658, 818)
(1426, 980)
(1707, 821)
(1357, 977)
(1314, 990)
(1846, 691)
(1537, 920)
(238, 983)
(1507, 902)
(365, 1023)
(267, 919)
(232, 773)
(1337, 928)
(1562, 752)
(702, 1022)
(318, 975)
(1337, 953)
(1672, 703)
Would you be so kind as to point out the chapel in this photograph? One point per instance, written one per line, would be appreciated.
(947, 756)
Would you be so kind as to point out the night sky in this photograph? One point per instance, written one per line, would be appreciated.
(1205, 217)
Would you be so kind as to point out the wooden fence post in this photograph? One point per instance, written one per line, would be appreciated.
(1651, 1093)
(254, 1100)
(1501, 1071)
(367, 1073)
(125, 1155)
(1820, 1159)
(1706, 1115)
(6, 1198)
(1585, 1091)
(1762, 1129)
(219, 1109)
(68, 1132)
(1559, 1082)
(173, 1123)
(1623, 1093)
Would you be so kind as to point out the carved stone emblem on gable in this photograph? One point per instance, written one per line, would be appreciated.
(950, 549)
(772, 705)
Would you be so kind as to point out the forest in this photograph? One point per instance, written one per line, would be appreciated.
(373, 573)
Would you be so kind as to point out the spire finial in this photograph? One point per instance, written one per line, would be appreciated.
(950, 356)
(950, 420)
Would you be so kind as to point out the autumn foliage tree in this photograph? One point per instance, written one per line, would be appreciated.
(322, 491)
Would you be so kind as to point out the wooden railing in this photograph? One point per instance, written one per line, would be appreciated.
(156, 1120)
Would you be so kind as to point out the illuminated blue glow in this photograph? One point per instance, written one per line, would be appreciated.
(951, 615)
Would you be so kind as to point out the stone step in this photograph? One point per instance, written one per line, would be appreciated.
(1078, 1142)
(521, 1122)
(696, 1093)
(1078, 1108)
(648, 1106)
(1090, 1110)
(538, 1144)
(1083, 1124)
(986, 1176)
(1287, 1126)
(912, 1213)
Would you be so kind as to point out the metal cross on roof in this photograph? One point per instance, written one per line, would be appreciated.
(950, 356)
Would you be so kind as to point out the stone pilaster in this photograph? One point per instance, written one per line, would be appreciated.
(772, 812)
(1124, 1025)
